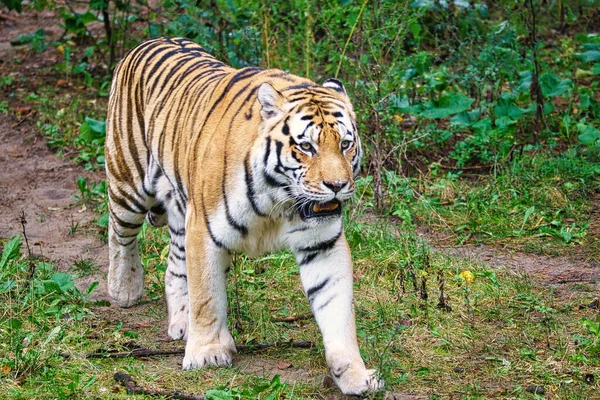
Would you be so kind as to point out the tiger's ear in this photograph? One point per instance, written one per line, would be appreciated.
(271, 101)
(335, 84)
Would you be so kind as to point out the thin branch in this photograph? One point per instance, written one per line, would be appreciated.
(143, 352)
(293, 318)
(337, 70)
(133, 388)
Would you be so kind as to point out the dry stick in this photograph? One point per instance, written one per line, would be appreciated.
(143, 352)
(293, 318)
(23, 222)
(133, 388)
(8, 18)
(362, 8)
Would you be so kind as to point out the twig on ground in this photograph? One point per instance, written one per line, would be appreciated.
(293, 318)
(133, 388)
(23, 222)
(143, 352)
(24, 118)
(8, 18)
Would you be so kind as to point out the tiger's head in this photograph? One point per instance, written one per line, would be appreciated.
(313, 151)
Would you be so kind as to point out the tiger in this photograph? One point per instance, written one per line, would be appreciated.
(246, 160)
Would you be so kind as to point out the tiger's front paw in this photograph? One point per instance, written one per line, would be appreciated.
(128, 290)
(217, 355)
(178, 327)
(357, 381)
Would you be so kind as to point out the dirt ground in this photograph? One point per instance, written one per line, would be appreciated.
(38, 187)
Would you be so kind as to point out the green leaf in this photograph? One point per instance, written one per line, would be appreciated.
(461, 119)
(525, 82)
(589, 56)
(103, 221)
(90, 289)
(7, 285)
(415, 29)
(506, 108)
(97, 126)
(218, 395)
(447, 105)
(64, 281)
(589, 135)
(11, 250)
(53, 333)
(13, 324)
(553, 86)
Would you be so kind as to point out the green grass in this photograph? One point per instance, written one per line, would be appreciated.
(538, 202)
(495, 336)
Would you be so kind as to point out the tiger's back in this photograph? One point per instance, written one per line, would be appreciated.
(231, 159)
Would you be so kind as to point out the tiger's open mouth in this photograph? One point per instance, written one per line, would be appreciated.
(315, 209)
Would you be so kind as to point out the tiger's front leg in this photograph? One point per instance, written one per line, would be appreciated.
(326, 273)
(209, 341)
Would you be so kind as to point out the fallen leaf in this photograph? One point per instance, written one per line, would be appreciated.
(284, 365)
(62, 82)
(22, 110)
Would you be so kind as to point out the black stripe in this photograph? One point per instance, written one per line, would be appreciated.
(325, 245)
(286, 128)
(326, 303)
(308, 258)
(116, 232)
(236, 225)
(177, 232)
(216, 241)
(128, 243)
(271, 181)
(178, 257)
(124, 224)
(299, 229)
(267, 151)
(176, 275)
(250, 188)
(178, 247)
(340, 371)
(125, 205)
(313, 291)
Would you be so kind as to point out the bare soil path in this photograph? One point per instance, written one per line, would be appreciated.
(38, 185)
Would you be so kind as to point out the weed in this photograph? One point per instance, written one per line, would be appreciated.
(84, 267)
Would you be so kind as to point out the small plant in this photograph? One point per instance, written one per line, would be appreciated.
(84, 267)
(593, 328)
(270, 390)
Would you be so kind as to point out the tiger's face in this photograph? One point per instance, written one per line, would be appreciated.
(316, 145)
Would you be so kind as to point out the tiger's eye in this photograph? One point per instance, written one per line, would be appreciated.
(346, 144)
(306, 146)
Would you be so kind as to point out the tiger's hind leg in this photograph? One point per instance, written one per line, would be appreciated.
(176, 284)
(125, 272)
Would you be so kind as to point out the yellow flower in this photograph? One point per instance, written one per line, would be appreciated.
(467, 276)
(398, 118)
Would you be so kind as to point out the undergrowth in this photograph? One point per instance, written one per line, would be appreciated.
(432, 324)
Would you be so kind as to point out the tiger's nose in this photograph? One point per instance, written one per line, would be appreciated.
(335, 186)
